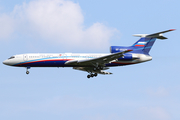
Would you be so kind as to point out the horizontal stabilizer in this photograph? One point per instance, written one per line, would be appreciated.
(158, 35)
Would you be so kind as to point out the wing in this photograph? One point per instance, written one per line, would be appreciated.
(98, 62)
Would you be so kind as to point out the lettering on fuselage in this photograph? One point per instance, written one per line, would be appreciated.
(117, 49)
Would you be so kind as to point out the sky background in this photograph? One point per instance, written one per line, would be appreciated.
(144, 91)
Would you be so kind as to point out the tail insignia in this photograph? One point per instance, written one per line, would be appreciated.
(140, 44)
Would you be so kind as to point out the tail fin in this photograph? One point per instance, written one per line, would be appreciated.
(145, 43)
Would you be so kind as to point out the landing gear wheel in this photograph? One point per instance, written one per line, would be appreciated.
(95, 74)
(92, 75)
(88, 76)
(27, 72)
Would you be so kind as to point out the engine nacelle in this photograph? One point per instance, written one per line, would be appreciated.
(115, 49)
(126, 57)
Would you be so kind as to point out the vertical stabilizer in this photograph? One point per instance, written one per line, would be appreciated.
(144, 45)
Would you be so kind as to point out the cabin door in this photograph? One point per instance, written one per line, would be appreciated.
(25, 57)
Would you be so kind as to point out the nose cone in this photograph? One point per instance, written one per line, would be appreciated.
(6, 62)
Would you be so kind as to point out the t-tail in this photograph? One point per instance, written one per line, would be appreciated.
(144, 44)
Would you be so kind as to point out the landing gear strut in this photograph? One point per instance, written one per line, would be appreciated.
(97, 68)
(92, 75)
(27, 72)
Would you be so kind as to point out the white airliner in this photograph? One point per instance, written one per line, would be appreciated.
(94, 63)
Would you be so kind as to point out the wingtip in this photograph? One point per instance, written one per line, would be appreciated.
(172, 29)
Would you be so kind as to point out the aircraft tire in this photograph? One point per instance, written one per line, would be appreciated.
(88, 76)
(95, 74)
(27, 72)
(92, 75)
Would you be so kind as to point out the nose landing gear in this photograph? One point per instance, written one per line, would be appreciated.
(92, 75)
(27, 72)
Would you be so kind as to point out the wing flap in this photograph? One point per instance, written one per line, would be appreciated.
(90, 69)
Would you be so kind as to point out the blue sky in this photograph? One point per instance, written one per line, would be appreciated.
(144, 91)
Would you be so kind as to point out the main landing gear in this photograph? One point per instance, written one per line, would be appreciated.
(27, 72)
(92, 75)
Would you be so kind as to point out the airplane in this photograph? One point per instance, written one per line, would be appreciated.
(93, 63)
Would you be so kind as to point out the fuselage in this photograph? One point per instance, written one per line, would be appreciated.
(59, 59)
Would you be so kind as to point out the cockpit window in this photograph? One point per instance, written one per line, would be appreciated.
(11, 57)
